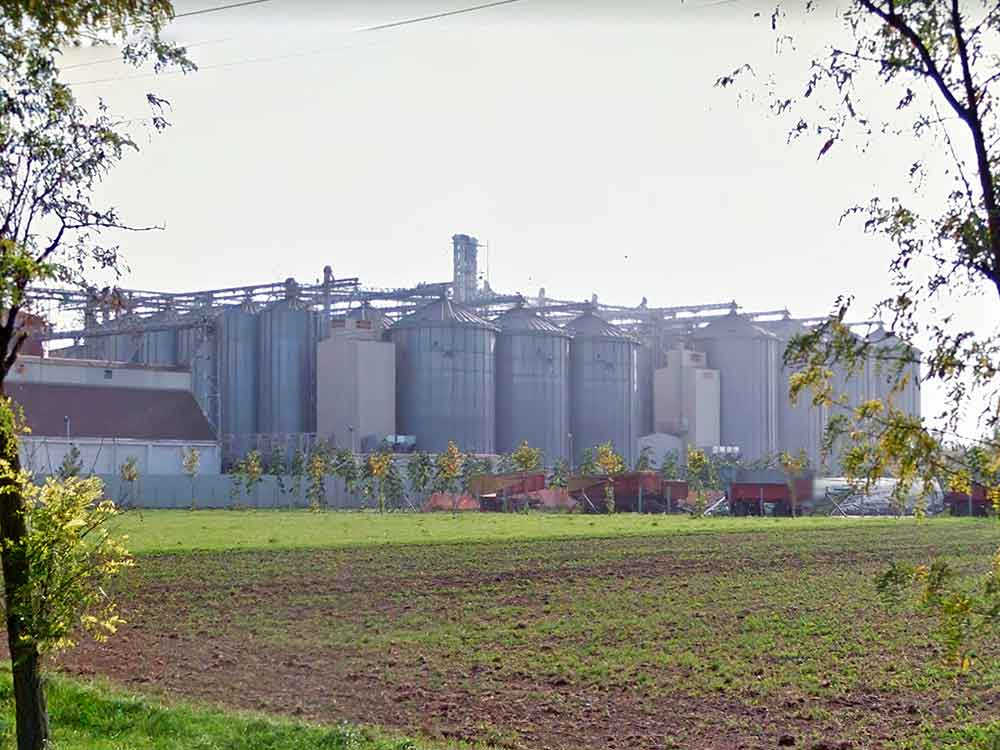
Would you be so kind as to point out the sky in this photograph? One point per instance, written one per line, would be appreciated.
(583, 142)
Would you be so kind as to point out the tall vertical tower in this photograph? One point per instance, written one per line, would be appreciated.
(466, 272)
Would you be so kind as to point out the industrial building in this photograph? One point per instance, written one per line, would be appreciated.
(287, 364)
(110, 412)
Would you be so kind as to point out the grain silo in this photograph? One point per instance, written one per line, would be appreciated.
(889, 362)
(123, 346)
(445, 378)
(800, 425)
(532, 384)
(287, 374)
(196, 350)
(747, 358)
(158, 347)
(647, 361)
(604, 398)
(237, 363)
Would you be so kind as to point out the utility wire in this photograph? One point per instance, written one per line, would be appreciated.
(438, 15)
(118, 59)
(217, 8)
(292, 55)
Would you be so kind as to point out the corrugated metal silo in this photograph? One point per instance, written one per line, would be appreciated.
(604, 397)
(237, 364)
(647, 357)
(747, 358)
(124, 346)
(445, 378)
(287, 379)
(532, 381)
(884, 372)
(800, 425)
(196, 350)
(158, 347)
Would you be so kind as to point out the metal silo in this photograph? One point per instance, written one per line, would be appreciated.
(287, 374)
(532, 381)
(445, 383)
(196, 350)
(124, 346)
(747, 358)
(800, 425)
(604, 397)
(237, 363)
(647, 360)
(885, 370)
(158, 347)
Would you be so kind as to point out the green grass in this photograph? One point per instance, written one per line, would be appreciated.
(165, 531)
(98, 717)
(443, 622)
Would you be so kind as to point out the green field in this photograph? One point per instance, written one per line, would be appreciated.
(544, 631)
(166, 531)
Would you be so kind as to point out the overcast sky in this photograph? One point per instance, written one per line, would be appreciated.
(584, 142)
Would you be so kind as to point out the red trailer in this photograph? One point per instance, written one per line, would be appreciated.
(753, 498)
(973, 504)
(502, 492)
(638, 491)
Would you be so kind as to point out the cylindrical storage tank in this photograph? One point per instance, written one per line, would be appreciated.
(886, 368)
(604, 396)
(800, 425)
(287, 374)
(747, 358)
(124, 346)
(532, 379)
(237, 363)
(445, 378)
(159, 347)
(196, 350)
(647, 360)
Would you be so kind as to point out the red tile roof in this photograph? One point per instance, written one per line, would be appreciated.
(110, 412)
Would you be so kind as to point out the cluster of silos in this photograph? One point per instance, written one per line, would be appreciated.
(445, 377)
(532, 384)
(748, 359)
(604, 399)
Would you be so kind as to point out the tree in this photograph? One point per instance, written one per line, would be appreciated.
(71, 465)
(794, 467)
(588, 464)
(700, 478)
(317, 469)
(448, 471)
(253, 471)
(190, 463)
(53, 155)
(420, 473)
(936, 72)
(278, 469)
(298, 472)
(345, 467)
(526, 459)
(377, 469)
(128, 472)
(610, 464)
(559, 477)
(644, 461)
(670, 468)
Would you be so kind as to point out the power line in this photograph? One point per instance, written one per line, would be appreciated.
(292, 55)
(219, 7)
(445, 14)
(118, 58)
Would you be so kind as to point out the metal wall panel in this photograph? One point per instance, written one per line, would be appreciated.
(287, 376)
(747, 358)
(533, 385)
(604, 398)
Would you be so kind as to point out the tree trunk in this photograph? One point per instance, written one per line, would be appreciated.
(29, 697)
